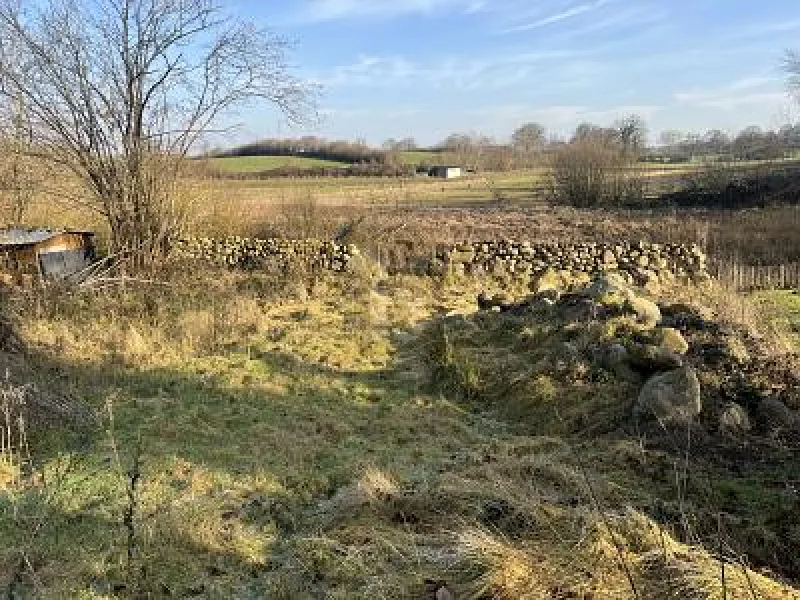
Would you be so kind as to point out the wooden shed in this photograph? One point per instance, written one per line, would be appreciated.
(45, 253)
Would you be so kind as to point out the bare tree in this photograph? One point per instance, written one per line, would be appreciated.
(529, 138)
(632, 133)
(120, 91)
(403, 145)
(20, 174)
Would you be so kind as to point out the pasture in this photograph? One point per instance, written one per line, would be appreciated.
(255, 164)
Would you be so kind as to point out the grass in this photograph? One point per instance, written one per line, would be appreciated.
(289, 446)
(255, 164)
(420, 157)
(783, 309)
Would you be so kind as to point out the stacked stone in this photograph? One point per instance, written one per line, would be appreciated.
(239, 252)
(640, 260)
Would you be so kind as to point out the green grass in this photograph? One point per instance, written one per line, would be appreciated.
(783, 308)
(291, 447)
(419, 157)
(253, 164)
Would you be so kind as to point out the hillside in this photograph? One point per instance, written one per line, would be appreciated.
(254, 164)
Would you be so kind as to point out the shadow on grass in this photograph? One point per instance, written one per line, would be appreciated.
(234, 458)
(238, 451)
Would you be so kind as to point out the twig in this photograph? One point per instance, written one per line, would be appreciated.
(129, 520)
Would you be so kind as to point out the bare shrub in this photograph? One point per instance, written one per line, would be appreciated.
(592, 172)
(13, 435)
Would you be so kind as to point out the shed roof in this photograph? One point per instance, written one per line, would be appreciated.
(30, 237)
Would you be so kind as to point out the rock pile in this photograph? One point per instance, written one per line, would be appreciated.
(685, 367)
(641, 261)
(624, 335)
(250, 253)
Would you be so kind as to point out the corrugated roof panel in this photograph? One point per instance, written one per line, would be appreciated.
(26, 237)
(22, 237)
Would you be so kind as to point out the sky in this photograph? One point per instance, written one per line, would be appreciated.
(428, 68)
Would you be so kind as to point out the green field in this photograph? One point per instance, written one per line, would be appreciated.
(254, 164)
(418, 157)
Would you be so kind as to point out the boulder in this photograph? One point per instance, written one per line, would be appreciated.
(673, 398)
(734, 420)
(617, 360)
(608, 285)
(671, 339)
(774, 416)
(649, 357)
(549, 280)
(646, 311)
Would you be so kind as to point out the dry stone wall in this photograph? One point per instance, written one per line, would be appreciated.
(641, 261)
(251, 253)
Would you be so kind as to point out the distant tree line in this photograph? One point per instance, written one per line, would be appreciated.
(403, 145)
(373, 169)
(531, 145)
(751, 143)
(310, 147)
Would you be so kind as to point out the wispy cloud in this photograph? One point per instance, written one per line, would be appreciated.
(567, 13)
(558, 68)
(330, 10)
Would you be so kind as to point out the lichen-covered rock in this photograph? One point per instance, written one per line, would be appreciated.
(672, 398)
(734, 420)
(608, 286)
(671, 339)
(549, 280)
(648, 357)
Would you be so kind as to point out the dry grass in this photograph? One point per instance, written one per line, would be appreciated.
(290, 448)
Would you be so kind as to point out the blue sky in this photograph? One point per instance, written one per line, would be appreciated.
(427, 68)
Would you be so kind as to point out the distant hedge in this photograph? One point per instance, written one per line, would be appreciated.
(309, 147)
(365, 170)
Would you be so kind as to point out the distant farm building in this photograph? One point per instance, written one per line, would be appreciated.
(446, 172)
(43, 253)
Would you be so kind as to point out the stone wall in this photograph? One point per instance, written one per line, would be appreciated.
(642, 261)
(251, 253)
